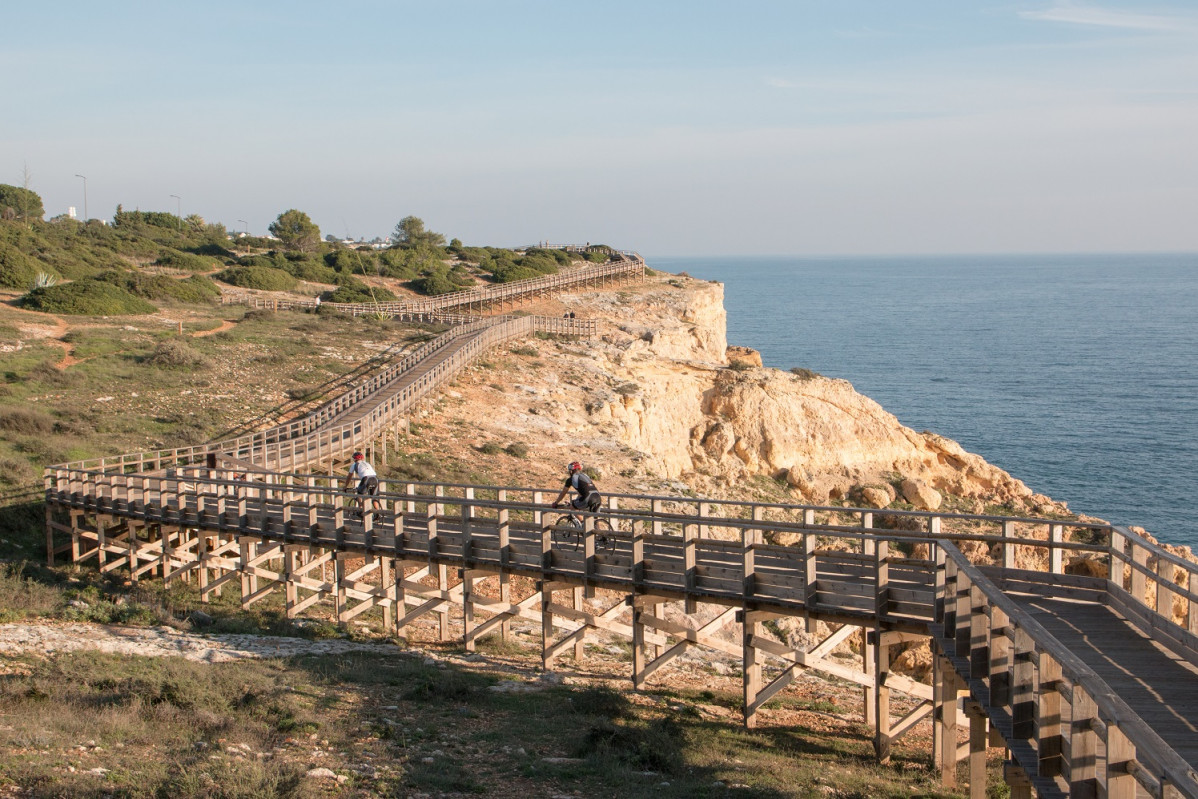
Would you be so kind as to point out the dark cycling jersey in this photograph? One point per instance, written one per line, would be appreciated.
(588, 495)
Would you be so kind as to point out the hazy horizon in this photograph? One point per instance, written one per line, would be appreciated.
(790, 128)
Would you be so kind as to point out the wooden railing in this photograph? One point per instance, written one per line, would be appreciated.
(337, 428)
(435, 309)
(1033, 684)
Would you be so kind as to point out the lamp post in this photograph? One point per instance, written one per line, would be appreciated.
(179, 210)
(245, 226)
(84, 197)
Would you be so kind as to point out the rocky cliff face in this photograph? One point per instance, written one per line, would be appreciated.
(661, 398)
(703, 413)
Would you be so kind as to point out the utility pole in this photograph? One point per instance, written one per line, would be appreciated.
(84, 197)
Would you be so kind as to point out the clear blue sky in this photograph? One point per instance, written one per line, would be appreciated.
(690, 127)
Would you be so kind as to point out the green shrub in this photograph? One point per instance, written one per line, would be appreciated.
(264, 278)
(174, 259)
(88, 297)
(517, 449)
(804, 374)
(560, 256)
(312, 270)
(350, 289)
(195, 289)
(17, 270)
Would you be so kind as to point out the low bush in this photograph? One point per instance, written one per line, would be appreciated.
(22, 597)
(517, 449)
(350, 289)
(173, 259)
(25, 421)
(88, 297)
(264, 278)
(194, 289)
(174, 353)
(17, 270)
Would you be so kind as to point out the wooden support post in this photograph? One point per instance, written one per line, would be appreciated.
(291, 556)
(443, 611)
(751, 666)
(638, 644)
(467, 610)
(546, 589)
(978, 735)
(339, 596)
(387, 584)
(244, 548)
(505, 555)
(948, 720)
(882, 699)
(579, 604)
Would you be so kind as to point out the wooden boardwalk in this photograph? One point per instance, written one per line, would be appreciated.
(1089, 682)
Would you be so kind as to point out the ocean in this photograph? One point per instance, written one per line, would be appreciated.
(1078, 374)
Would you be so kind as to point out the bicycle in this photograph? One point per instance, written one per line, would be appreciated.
(570, 529)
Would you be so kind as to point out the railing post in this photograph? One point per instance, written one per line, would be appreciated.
(689, 550)
(1056, 536)
(1023, 696)
(1120, 757)
(1049, 741)
(1008, 545)
(881, 581)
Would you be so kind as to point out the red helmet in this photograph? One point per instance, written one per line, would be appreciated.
(358, 456)
(574, 466)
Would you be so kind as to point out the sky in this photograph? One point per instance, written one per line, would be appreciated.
(799, 127)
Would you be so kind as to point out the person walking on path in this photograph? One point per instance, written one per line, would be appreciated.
(368, 483)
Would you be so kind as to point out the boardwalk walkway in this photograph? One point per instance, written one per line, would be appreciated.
(1088, 681)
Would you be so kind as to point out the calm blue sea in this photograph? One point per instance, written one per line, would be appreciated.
(1077, 374)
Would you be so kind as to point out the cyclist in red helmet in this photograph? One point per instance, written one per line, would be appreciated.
(588, 495)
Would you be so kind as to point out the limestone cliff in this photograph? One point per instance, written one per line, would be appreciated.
(659, 398)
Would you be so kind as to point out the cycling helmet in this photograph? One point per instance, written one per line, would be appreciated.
(358, 456)
(574, 466)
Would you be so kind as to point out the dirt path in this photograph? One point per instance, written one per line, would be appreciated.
(225, 324)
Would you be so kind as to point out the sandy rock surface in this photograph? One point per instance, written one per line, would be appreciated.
(47, 639)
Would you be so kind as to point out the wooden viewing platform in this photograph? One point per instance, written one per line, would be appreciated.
(1090, 682)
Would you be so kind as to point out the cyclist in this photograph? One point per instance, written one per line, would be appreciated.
(368, 482)
(588, 495)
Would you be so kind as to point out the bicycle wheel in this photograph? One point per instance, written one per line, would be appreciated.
(605, 534)
(565, 528)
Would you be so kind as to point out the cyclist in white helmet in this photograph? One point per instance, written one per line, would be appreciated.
(368, 482)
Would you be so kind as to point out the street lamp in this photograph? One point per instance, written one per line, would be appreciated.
(245, 226)
(179, 210)
(84, 198)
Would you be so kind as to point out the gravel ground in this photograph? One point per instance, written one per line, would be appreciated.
(46, 639)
